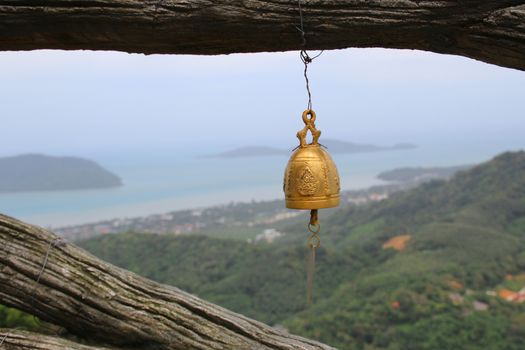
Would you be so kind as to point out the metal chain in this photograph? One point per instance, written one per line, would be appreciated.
(314, 227)
(313, 242)
(305, 58)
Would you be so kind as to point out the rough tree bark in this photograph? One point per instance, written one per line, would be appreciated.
(19, 340)
(100, 302)
(488, 30)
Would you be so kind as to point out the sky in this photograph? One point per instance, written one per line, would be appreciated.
(86, 103)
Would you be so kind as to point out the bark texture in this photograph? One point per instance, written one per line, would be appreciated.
(488, 30)
(19, 340)
(98, 301)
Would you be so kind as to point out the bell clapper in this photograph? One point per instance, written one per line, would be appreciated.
(313, 243)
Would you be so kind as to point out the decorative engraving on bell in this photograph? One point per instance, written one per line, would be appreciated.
(308, 183)
(311, 180)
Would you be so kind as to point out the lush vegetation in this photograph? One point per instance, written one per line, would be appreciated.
(421, 174)
(13, 318)
(467, 242)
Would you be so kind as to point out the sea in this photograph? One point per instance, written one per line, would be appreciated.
(167, 181)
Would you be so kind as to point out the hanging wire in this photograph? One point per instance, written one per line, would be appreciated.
(57, 241)
(3, 339)
(53, 243)
(313, 226)
(305, 57)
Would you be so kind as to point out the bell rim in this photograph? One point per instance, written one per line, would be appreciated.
(331, 202)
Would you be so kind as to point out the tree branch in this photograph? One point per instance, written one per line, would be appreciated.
(488, 30)
(11, 339)
(88, 296)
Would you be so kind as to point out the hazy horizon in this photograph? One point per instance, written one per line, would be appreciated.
(87, 103)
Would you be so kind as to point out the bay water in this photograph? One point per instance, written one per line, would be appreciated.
(167, 181)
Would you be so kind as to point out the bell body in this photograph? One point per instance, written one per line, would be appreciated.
(311, 180)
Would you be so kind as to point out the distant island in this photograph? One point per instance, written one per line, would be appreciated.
(421, 174)
(35, 172)
(335, 147)
(249, 151)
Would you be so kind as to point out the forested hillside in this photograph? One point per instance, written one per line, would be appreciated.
(437, 267)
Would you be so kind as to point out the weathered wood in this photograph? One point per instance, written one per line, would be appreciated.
(12, 339)
(94, 299)
(488, 30)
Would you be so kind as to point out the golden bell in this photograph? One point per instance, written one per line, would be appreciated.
(311, 180)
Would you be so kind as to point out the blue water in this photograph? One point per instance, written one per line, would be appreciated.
(166, 182)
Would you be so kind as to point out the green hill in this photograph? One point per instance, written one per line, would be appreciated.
(36, 172)
(465, 236)
(456, 244)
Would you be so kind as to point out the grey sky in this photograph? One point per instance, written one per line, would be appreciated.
(88, 102)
